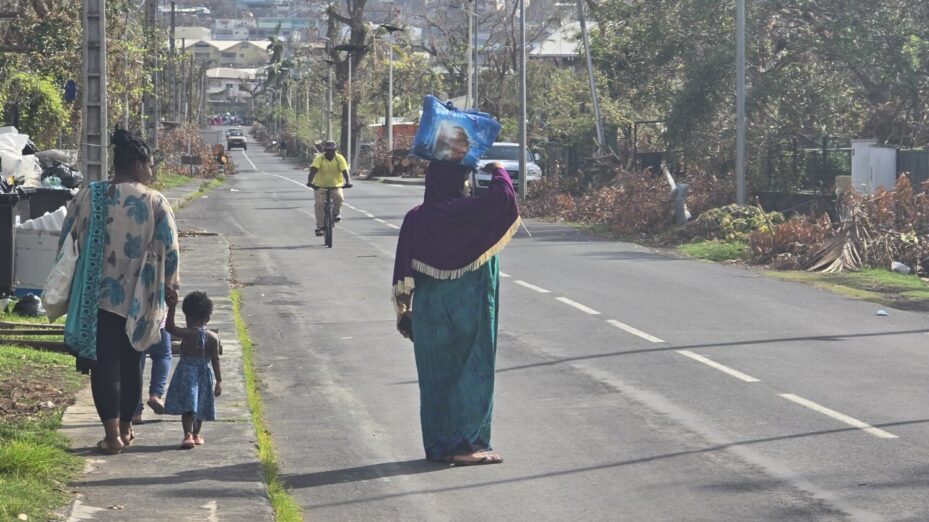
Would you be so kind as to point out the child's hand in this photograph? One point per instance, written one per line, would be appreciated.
(218, 390)
(170, 297)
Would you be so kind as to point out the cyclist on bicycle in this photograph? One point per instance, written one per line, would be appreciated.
(329, 170)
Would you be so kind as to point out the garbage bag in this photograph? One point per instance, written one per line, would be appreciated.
(29, 148)
(51, 157)
(449, 135)
(29, 306)
(69, 177)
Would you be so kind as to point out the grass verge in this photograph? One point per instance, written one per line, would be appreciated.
(168, 180)
(283, 503)
(35, 465)
(716, 250)
(904, 292)
(205, 187)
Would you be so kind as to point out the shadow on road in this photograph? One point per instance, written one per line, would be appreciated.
(360, 473)
(610, 465)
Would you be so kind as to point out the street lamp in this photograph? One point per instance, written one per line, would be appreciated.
(523, 146)
(391, 29)
(329, 64)
(740, 103)
(350, 49)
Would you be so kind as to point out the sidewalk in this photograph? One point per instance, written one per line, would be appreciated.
(153, 479)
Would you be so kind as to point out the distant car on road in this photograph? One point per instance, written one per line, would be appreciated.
(236, 138)
(508, 155)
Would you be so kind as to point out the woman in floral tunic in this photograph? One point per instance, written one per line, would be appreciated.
(127, 239)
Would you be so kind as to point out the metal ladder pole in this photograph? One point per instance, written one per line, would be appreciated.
(94, 128)
(152, 106)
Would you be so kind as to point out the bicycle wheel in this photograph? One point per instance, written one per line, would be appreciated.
(327, 232)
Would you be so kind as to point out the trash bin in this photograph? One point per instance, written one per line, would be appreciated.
(41, 200)
(7, 244)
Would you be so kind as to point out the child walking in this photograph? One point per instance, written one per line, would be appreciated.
(192, 390)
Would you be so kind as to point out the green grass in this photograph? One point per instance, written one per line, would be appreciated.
(168, 180)
(716, 250)
(205, 187)
(35, 465)
(284, 505)
(876, 285)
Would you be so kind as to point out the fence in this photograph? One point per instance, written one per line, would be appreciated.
(806, 166)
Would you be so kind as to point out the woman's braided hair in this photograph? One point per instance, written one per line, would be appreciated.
(128, 150)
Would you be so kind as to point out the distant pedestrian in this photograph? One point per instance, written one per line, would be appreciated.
(127, 240)
(192, 386)
(445, 288)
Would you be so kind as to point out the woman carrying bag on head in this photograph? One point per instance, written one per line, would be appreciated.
(445, 289)
(126, 240)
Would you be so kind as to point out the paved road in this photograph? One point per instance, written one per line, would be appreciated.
(631, 385)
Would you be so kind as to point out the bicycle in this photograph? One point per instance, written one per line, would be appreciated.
(328, 217)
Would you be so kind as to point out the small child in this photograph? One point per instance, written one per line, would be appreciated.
(191, 391)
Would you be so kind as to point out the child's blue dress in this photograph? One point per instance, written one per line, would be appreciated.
(191, 388)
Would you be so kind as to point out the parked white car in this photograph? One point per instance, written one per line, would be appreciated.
(508, 155)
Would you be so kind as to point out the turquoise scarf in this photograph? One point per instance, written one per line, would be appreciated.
(81, 324)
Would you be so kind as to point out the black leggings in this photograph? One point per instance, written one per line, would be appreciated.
(116, 379)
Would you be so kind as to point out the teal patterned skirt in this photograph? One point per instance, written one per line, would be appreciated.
(455, 332)
(191, 389)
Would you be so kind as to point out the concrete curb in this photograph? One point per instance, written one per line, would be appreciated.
(403, 181)
(153, 479)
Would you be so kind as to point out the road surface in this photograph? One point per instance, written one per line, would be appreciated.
(630, 385)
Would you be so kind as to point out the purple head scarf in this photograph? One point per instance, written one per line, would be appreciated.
(451, 234)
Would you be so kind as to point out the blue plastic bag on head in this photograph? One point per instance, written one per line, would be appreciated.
(452, 136)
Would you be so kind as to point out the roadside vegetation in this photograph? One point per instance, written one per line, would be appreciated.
(283, 503)
(35, 465)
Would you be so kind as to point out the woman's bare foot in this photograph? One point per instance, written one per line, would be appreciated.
(156, 404)
(110, 447)
(477, 458)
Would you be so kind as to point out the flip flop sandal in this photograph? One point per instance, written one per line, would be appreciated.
(106, 449)
(489, 459)
(128, 442)
(157, 407)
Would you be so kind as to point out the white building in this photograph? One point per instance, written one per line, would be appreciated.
(231, 29)
(192, 33)
(229, 85)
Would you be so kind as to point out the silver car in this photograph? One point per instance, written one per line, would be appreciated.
(508, 155)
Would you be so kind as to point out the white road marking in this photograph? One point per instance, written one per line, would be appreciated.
(249, 160)
(349, 206)
(391, 225)
(370, 215)
(379, 220)
(721, 367)
(504, 274)
(635, 331)
(877, 432)
(532, 287)
(292, 181)
(579, 306)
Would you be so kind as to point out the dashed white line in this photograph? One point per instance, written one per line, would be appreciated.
(391, 225)
(532, 287)
(877, 432)
(379, 220)
(504, 274)
(579, 306)
(349, 206)
(635, 331)
(721, 367)
(370, 215)
(292, 181)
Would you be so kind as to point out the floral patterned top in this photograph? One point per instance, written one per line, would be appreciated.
(140, 252)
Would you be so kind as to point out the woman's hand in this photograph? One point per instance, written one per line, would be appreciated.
(218, 389)
(405, 325)
(492, 166)
(170, 297)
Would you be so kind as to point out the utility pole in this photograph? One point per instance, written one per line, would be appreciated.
(151, 64)
(329, 64)
(740, 103)
(523, 131)
(477, 56)
(590, 75)
(468, 97)
(94, 129)
(172, 69)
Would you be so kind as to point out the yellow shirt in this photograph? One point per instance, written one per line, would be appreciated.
(329, 173)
